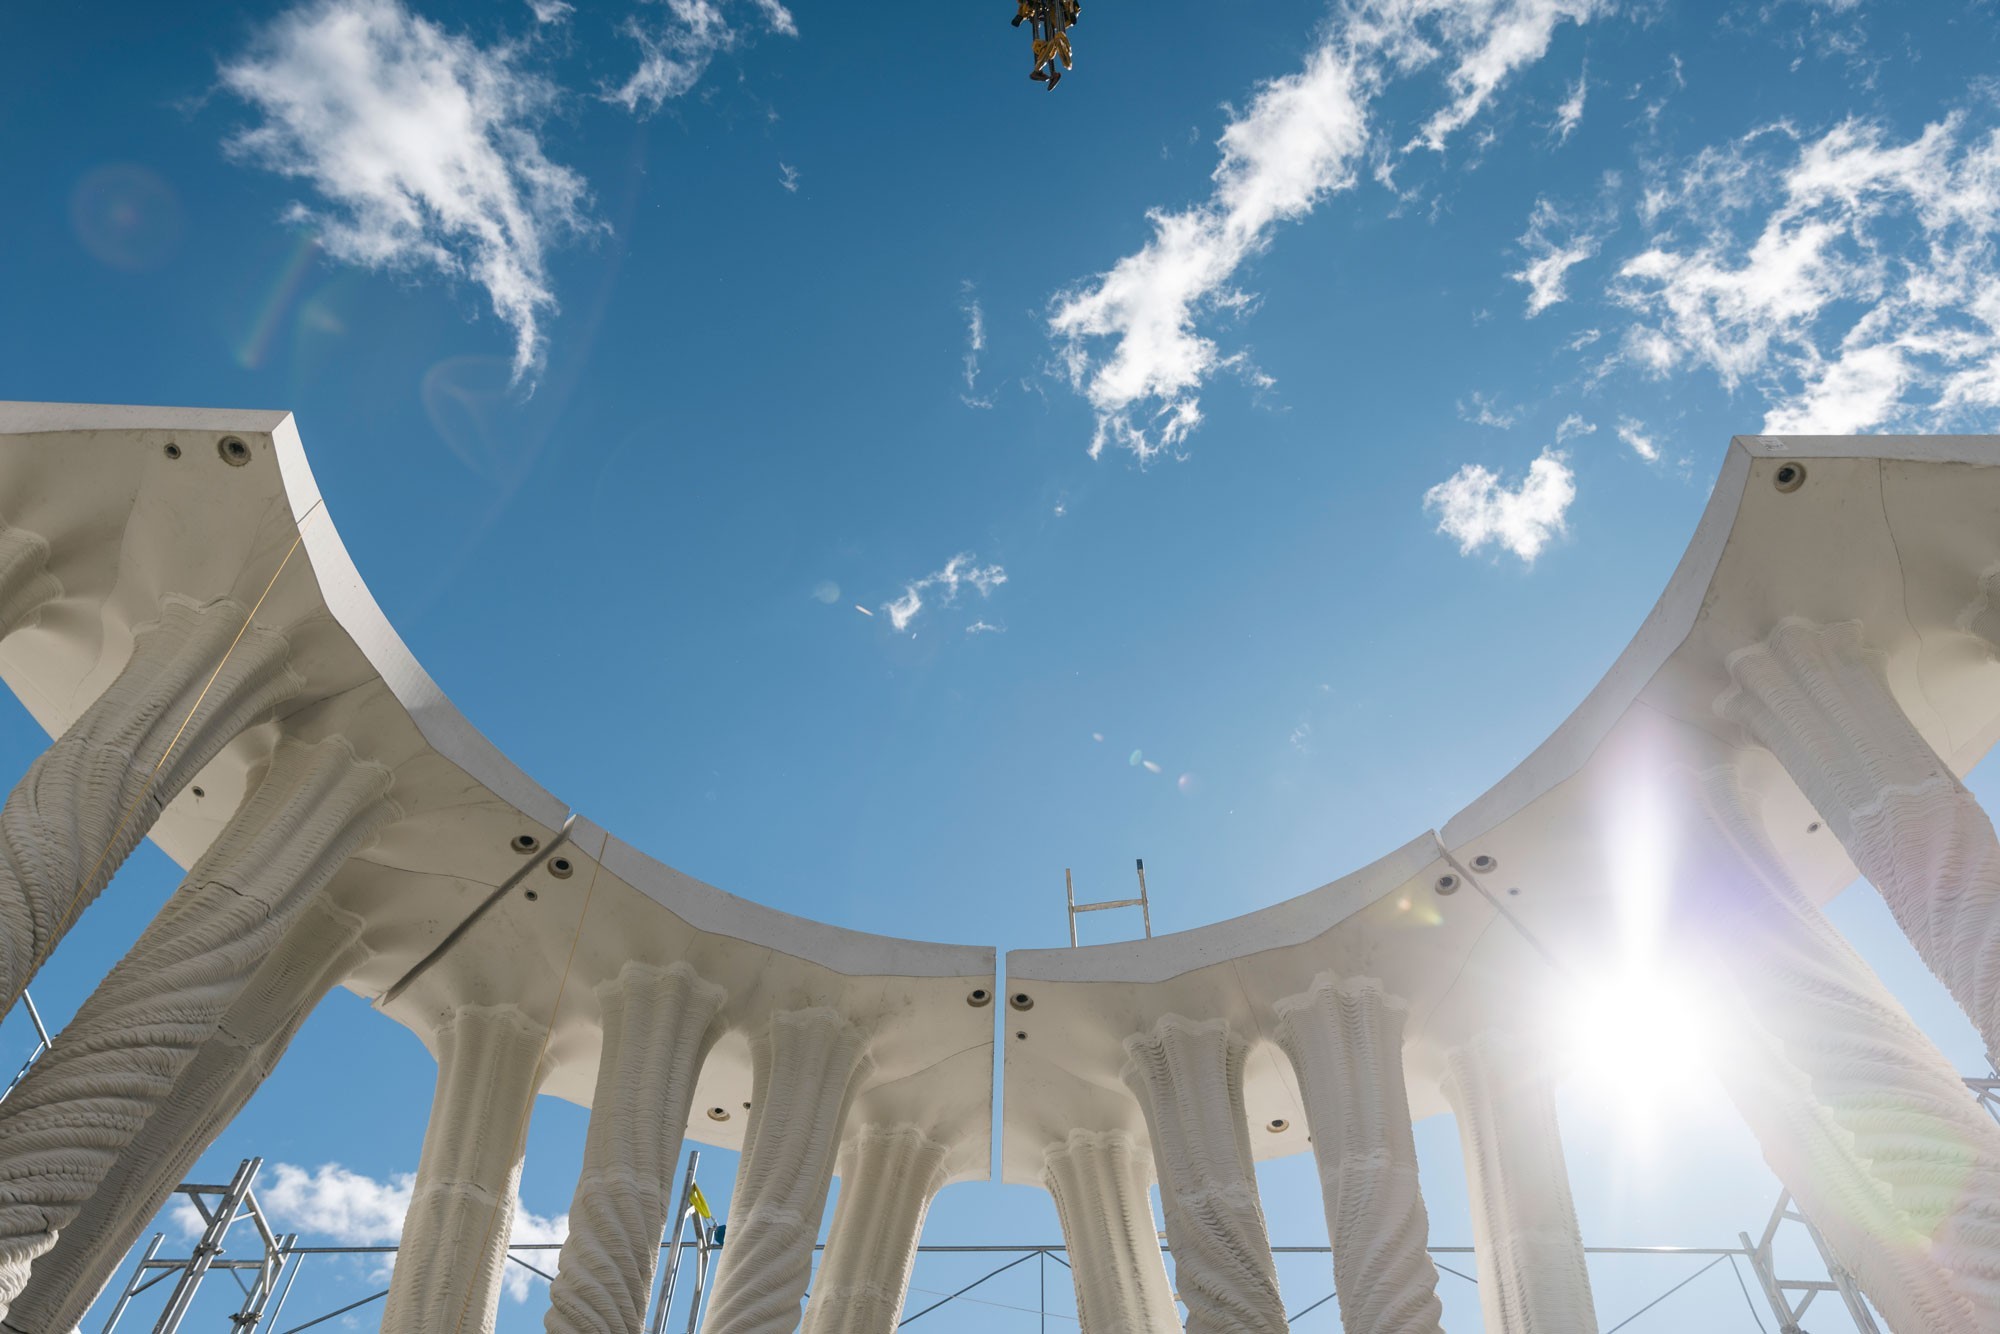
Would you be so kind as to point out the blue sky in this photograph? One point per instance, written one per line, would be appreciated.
(873, 484)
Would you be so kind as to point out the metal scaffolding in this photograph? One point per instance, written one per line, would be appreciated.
(267, 1278)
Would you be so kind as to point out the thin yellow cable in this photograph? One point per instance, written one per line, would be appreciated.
(72, 910)
(527, 1112)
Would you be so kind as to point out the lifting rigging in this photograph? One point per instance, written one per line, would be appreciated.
(1049, 22)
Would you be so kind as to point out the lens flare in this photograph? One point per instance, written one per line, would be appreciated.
(126, 216)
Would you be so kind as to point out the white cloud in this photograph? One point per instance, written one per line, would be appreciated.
(1296, 142)
(1299, 140)
(348, 1208)
(1494, 38)
(1633, 433)
(788, 177)
(423, 146)
(984, 628)
(675, 52)
(1574, 425)
(961, 571)
(1570, 114)
(1476, 510)
(1486, 411)
(1549, 263)
(975, 343)
(1850, 278)
(551, 11)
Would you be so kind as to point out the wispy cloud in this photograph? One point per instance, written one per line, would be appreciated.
(333, 1204)
(1574, 425)
(1493, 38)
(422, 145)
(1298, 141)
(942, 586)
(552, 11)
(788, 177)
(1477, 510)
(1851, 277)
(1485, 410)
(1633, 433)
(1549, 261)
(975, 343)
(1570, 114)
(677, 50)
(984, 628)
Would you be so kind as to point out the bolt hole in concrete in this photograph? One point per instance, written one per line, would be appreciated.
(980, 996)
(1789, 477)
(1514, 891)
(173, 450)
(534, 896)
(1447, 884)
(1279, 1125)
(234, 452)
(561, 868)
(1022, 1001)
(718, 1113)
(1021, 1036)
(198, 793)
(1483, 863)
(1813, 828)
(525, 843)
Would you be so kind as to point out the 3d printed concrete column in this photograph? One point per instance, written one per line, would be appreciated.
(1189, 1078)
(658, 1026)
(888, 1177)
(26, 585)
(1099, 1181)
(322, 948)
(1345, 1040)
(1861, 1117)
(192, 684)
(462, 1211)
(117, 1059)
(1524, 1230)
(1819, 698)
(807, 1066)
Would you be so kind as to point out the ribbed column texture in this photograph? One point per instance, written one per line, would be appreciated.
(1902, 1127)
(1532, 1278)
(321, 949)
(117, 1060)
(1188, 1077)
(1345, 1041)
(888, 1177)
(92, 795)
(1819, 698)
(1099, 1180)
(26, 585)
(658, 1026)
(807, 1066)
(447, 1278)
(1982, 618)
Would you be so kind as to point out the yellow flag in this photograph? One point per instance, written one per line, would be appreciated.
(700, 1204)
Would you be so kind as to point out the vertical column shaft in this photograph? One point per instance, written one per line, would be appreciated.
(658, 1026)
(1861, 1116)
(888, 1177)
(1819, 699)
(1530, 1250)
(117, 1060)
(1345, 1041)
(455, 1236)
(1099, 1181)
(1189, 1078)
(26, 585)
(191, 685)
(807, 1065)
(322, 948)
